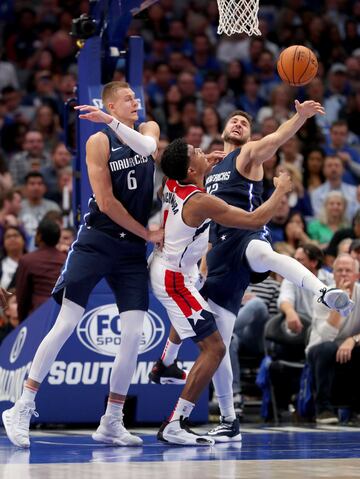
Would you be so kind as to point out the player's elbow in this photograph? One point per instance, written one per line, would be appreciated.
(104, 204)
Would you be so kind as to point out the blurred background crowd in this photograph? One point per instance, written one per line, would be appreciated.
(193, 79)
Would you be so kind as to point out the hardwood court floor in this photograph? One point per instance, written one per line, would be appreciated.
(266, 453)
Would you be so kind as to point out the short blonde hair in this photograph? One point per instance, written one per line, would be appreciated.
(110, 90)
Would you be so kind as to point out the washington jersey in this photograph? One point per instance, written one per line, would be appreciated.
(183, 245)
(132, 180)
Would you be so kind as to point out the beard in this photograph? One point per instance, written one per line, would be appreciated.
(234, 139)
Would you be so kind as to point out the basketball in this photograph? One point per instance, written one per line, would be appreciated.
(297, 65)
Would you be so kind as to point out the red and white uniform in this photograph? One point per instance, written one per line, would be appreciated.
(173, 270)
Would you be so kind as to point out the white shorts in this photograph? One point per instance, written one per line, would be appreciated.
(188, 311)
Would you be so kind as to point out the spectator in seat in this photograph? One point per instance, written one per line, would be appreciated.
(333, 172)
(334, 341)
(32, 158)
(294, 301)
(10, 206)
(39, 270)
(14, 247)
(353, 232)
(338, 146)
(331, 218)
(9, 318)
(60, 158)
(34, 206)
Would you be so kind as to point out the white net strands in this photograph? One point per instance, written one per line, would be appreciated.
(238, 16)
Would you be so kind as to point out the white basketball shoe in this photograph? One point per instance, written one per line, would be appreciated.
(17, 422)
(178, 432)
(112, 431)
(337, 299)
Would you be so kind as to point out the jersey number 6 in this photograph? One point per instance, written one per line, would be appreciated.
(131, 180)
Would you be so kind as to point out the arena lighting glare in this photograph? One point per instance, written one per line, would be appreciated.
(83, 27)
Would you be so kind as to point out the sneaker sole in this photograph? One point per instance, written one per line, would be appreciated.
(324, 422)
(5, 419)
(98, 437)
(172, 381)
(197, 441)
(341, 301)
(222, 439)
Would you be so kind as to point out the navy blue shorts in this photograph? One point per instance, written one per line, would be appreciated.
(96, 255)
(229, 273)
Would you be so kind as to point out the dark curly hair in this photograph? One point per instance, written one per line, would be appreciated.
(175, 160)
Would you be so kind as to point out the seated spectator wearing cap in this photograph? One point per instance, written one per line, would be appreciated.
(331, 218)
(333, 172)
(39, 270)
(333, 344)
(353, 232)
(337, 145)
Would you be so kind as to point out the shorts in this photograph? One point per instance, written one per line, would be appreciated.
(188, 312)
(229, 273)
(95, 255)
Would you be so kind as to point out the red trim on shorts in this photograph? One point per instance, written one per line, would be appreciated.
(176, 289)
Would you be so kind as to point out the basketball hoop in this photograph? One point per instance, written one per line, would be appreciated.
(238, 16)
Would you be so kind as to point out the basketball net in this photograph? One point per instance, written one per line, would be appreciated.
(238, 16)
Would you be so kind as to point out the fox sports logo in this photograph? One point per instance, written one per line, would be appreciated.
(100, 330)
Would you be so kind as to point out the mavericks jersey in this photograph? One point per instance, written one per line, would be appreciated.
(228, 271)
(183, 245)
(228, 184)
(132, 179)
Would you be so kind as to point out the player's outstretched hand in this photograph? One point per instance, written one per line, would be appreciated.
(309, 108)
(93, 114)
(4, 297)
(283, 182)
(156, 237)
(215, 157)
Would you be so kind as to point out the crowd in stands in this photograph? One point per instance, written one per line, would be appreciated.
(193, 79)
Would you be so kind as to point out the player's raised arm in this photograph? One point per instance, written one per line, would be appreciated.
(97, 154)
(144, 143)
(261, 150)
(202, 206)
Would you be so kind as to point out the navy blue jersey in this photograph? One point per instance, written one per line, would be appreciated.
(228, 271)
(227, 183)
(132, 179)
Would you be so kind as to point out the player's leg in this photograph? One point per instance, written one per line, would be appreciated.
(175, 430)
(129, 285)
(261, 258)
(81, 273)
(165, 369)
(191, 317)
(229, 428)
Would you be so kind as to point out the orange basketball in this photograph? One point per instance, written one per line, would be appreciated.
(297, 65)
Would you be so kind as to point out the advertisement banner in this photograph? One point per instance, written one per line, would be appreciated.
(76, 389)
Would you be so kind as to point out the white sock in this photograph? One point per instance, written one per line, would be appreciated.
(183, 408)
(126, 357)
(69, 316)
(29, 393)
(223, 377)
(114, 408)
(170, 352)
(261, 258)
